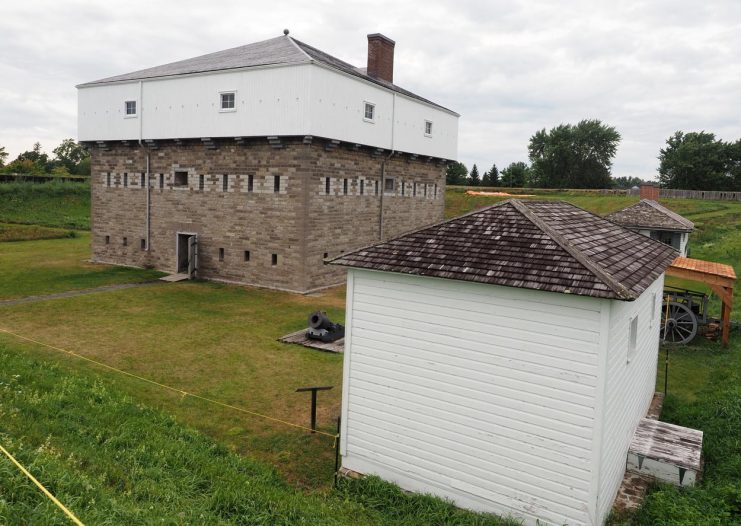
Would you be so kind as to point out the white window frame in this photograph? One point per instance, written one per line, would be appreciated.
(232, 92)
(632, 337)
(428, 133)
(128, 115)
(367, 103)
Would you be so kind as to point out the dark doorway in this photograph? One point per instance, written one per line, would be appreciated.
(187, 254)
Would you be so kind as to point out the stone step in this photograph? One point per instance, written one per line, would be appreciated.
(174, 277)
(666, 452)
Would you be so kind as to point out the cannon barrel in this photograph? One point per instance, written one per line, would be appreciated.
(318, 320)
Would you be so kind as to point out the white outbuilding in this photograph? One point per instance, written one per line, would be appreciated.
(503, 359)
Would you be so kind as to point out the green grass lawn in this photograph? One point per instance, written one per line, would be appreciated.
(31, 268)
(54, 204)
(220, 341)
(19, 232)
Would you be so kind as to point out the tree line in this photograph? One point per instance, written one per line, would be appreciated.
(69, 158)
(580, 156)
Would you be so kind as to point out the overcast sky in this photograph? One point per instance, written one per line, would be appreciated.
(508, 67)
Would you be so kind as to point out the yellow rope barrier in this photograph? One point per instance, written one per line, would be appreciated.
(46, 492)
(182, 392)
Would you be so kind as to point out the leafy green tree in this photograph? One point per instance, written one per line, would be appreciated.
(474, 179)
(516, 175)
(3, 156)
(72, 156)
(457, 173)
(573, 156)
(699, 161)
(626, 182)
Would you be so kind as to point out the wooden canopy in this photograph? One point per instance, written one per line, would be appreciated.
(719, 277)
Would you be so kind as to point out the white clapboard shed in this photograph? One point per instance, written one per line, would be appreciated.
(503, 359)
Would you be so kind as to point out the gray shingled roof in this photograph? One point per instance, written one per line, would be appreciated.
(282, 50)
(651, 215)
(543, 245)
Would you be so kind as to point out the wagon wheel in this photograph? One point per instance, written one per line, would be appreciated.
(679, 323)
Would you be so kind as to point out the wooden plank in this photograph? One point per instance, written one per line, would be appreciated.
(300, 338)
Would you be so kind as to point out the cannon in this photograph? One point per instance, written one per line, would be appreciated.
(322, 329)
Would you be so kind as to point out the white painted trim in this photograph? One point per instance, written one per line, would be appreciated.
(366, 119)
(599, 408)
(136, 107)
(431, 128)
(346, 361)
(226, 92)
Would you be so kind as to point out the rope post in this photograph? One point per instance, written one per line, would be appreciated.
(313, 401)
(337, 454)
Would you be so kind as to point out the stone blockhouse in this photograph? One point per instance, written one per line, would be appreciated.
(262, 161)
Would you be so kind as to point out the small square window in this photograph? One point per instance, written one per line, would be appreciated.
(274, 259)
(221, 254)
(389, 184)
(181, 179)
(276, 183)
(326, 185)
(228, 101)
(369, 113)
(108, 240)
(428, 128)
(250, 183)
(224, 183)
(246, 255)
(130, 107)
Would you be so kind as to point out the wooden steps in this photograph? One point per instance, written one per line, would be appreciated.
(666, 452)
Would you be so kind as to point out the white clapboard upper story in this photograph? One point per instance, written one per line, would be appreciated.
(277, 87)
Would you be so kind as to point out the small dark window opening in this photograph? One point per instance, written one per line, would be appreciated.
(141, 180)
(274, 259)
(125, 241)
(376, 187)
(276, 183)
(388, 185)
(425, 189)
(414, 189)
(344, 186)
(246, 255)
(126, 180)
(181, 179)
(326, 255)
(201, 182)
(221, 254)
(326, 185)
(225, 183)
(108, 179)
(362, 187)
(143, 244)
(435, 190)
(403, 184)
(162, 181)
(250, 183)
(108, 240)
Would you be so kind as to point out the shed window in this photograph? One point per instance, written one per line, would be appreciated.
(389, 184)
(250, 183)
(181, 179)
(632, 337)
(326, 185)
(228, 101)
(276, 183)
(428, 128)
(369, 113)
(224, 183)
(130, 108)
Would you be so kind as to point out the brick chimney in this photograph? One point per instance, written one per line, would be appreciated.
(381, 57)
(649, 191)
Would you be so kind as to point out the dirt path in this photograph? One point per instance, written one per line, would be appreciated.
(81, 292)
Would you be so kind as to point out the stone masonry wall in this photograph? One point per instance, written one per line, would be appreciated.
(296, 220)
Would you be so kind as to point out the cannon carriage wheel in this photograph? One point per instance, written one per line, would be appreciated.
(678, 323)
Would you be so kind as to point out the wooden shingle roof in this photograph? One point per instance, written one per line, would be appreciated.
(542, 245)
(649, 214)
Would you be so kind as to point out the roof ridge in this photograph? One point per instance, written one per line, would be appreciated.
(618, 288)
(301, 50)
(661, 208)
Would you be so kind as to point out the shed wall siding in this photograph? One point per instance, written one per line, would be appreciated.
(629, 384)
(478, 393)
